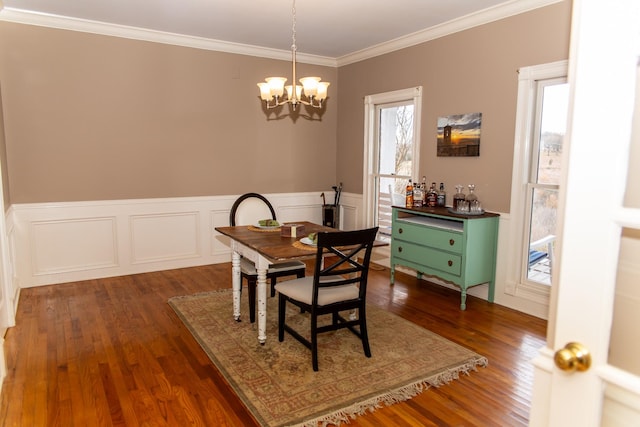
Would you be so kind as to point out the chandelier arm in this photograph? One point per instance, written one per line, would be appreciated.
(278, 103)
(292, 97)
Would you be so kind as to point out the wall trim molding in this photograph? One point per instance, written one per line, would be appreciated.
(501, 11)
(53, 243)
(71, 241)
(486, 16)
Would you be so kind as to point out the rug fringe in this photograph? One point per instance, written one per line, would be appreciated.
(395, 396)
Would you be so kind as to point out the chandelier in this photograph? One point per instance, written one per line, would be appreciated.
(312, 91)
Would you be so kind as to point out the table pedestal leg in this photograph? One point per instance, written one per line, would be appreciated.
(262, 305)
(236, 283)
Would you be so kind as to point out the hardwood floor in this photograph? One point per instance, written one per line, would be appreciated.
(111, 352)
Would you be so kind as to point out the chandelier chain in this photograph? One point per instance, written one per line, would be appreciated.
(293, 26)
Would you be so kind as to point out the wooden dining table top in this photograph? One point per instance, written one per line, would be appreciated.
(270, 243)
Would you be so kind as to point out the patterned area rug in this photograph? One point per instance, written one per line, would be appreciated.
(277, 383)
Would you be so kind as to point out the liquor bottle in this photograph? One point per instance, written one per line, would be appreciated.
(409, 195)
(458, 197)
(417, 195)
(432, 196)
(442, 196)
(424, 190)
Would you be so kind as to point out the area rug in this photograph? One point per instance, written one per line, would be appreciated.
(277, 383)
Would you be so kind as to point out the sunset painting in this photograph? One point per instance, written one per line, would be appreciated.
(459, 135)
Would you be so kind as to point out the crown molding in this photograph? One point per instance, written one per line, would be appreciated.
(135, 33)
(486, 16)
(495, 13)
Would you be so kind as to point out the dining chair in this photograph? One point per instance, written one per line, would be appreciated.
(248, 209)
(339, 284)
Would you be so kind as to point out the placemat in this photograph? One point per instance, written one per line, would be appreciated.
(264, 230)
(299, 245)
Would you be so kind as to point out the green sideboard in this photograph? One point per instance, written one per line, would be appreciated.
(456, 248)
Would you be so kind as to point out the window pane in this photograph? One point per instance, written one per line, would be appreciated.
(542, 235)
(552, 129)
(391, 194)
(396, 140)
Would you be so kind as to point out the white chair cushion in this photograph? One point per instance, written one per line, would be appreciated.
(248, 267)
(302, 290)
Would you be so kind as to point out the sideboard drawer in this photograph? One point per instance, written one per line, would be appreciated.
(431, 258)
(436, 238)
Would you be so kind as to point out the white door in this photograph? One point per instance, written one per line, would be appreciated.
(7, 293)
(603, 76)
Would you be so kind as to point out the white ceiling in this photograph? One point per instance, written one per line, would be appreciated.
(331, 29)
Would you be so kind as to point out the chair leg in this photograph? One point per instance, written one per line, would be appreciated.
(334, 318)
(363, 332)
(252, 284)
(282, 302)
(273, 286)
(314, 341)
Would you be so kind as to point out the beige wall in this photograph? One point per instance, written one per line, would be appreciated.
(90, 117)
(470, 71)
(3, 159)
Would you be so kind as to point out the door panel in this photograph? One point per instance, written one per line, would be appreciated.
(602, 76)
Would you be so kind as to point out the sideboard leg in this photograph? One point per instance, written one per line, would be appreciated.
(393, 274)
(463, 299)
(492, 290)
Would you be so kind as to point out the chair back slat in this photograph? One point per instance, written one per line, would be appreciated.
(337, 255)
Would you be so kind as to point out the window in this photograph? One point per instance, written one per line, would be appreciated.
(550, 119)
(392, 133)
(540, 128)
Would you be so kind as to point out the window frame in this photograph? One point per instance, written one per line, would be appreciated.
(521, 189)
(370, 171)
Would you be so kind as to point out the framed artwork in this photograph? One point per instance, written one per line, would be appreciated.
(459, 135)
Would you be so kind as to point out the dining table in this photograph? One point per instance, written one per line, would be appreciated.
(265, 246)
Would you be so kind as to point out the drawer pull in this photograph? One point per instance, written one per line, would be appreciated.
(450, 263)
(452, 242)
(399, 248)
(400, 230)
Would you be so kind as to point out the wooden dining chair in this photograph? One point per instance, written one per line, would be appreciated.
(248, 209)
(339, 284)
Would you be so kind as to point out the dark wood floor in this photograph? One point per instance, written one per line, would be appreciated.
(112, 352)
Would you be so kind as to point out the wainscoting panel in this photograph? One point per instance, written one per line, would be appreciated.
(63, 242)
(73, 245)
(165, 237)
(310, 212)
(219, 243)
(349, 217)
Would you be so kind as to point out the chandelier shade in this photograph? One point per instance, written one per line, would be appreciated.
(311, 92)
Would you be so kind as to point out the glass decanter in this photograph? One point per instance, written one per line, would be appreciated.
(474, 204)
(471, 197)
(458, 197)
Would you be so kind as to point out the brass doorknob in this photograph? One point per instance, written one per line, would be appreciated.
(573, 357)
